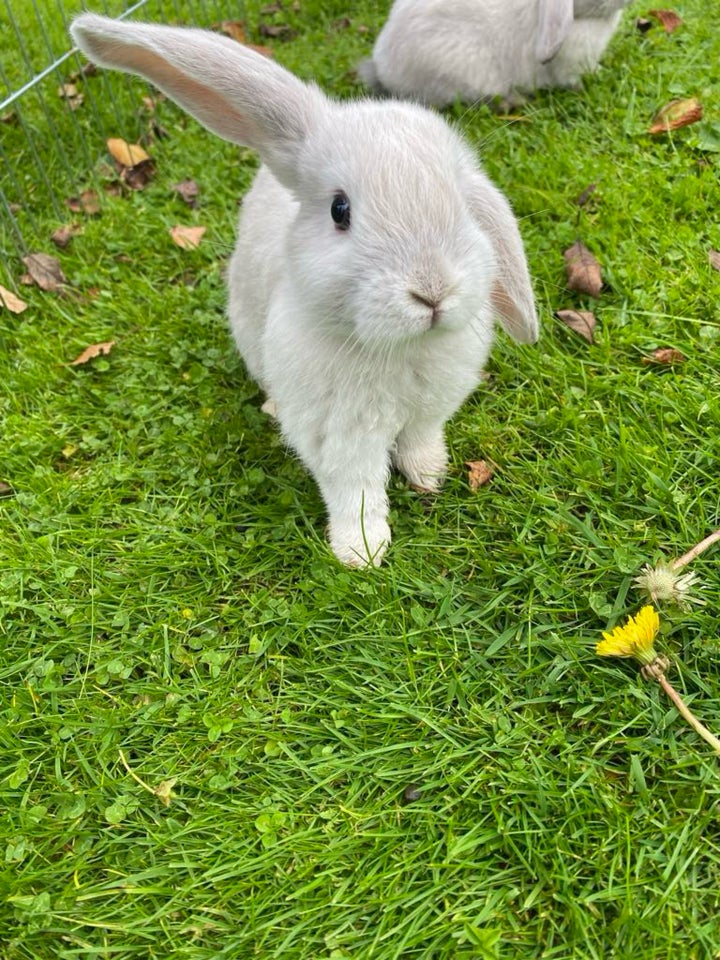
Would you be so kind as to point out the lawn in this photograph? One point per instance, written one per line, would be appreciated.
(218, 742)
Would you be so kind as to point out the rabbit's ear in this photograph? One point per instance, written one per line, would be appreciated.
(232, 90)
(512, 294)
(555, 18)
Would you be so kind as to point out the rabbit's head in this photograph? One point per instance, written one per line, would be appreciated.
(397, 233)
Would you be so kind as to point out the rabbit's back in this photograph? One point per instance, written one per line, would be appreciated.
(438, 50)
(435, 51)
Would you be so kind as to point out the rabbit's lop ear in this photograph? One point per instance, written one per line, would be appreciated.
(232, 90)
(512, 294)
(555, 18)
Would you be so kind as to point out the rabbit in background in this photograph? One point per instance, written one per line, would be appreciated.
(435, 51)
(372, 260)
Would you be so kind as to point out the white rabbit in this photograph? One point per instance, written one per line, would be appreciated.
(372, 258)
(436, 51)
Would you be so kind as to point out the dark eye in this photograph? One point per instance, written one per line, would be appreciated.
(340, 211)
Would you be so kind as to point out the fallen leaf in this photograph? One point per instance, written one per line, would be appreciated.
(63, 235)
(67, 91)
(271, 8)
(164, 790)
(581, 321)
(676, 114)
(665, 355)
(187, 237)
(9, 117)
(5, 489)
(714, 258)
(479, 473)
(188, 190)
(11, 302)
(342, 23)
(87, 202)
(584, 273)
(586, 194)
(45, 271)
(643, 24)
(668, 18)
(134, 164)
(234, 29)
(279, 31)
(89, 69)
(124, 153)
(95, 350)
(138, 177)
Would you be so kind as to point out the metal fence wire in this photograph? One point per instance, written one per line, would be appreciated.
(53, 119)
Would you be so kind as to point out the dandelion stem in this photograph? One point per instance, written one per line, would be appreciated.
(684, 710)
(686, 558)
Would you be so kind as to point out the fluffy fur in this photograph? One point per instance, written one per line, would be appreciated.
(366, 339)
(437, 50)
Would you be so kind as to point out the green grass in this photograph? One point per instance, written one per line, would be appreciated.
(166, 591)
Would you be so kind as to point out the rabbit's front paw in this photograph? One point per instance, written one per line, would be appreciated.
(360, 546)
(424, 464)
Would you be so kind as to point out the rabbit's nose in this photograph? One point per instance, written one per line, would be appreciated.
(432, 302)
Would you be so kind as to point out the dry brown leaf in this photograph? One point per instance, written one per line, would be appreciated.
(581, 321)
(586, 194)
(45, 271)
(271, 8)
(87, 202)
(138, 177)
(234, 29)
(67, 91)
(63, 235)
(714, 258)
(279, 31)
(676, 114)
(668, 18)
(584, 273)
(126, 154)
(187, 237)
(94, 350)
(188, 190)
(665, 355)
(479, 473)
(5, 489)
(11, 302)
(9, 117)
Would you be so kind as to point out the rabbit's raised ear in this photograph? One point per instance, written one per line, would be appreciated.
(555, 18)
(232, 90)
(512, 294)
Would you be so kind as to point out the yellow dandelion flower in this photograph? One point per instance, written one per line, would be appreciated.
(634, 639)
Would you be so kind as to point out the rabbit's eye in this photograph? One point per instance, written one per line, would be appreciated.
(340, 211)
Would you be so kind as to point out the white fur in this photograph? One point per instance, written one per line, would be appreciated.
(435, 51)
(365, 340)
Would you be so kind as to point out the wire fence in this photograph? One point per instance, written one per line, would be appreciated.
(53, 119)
